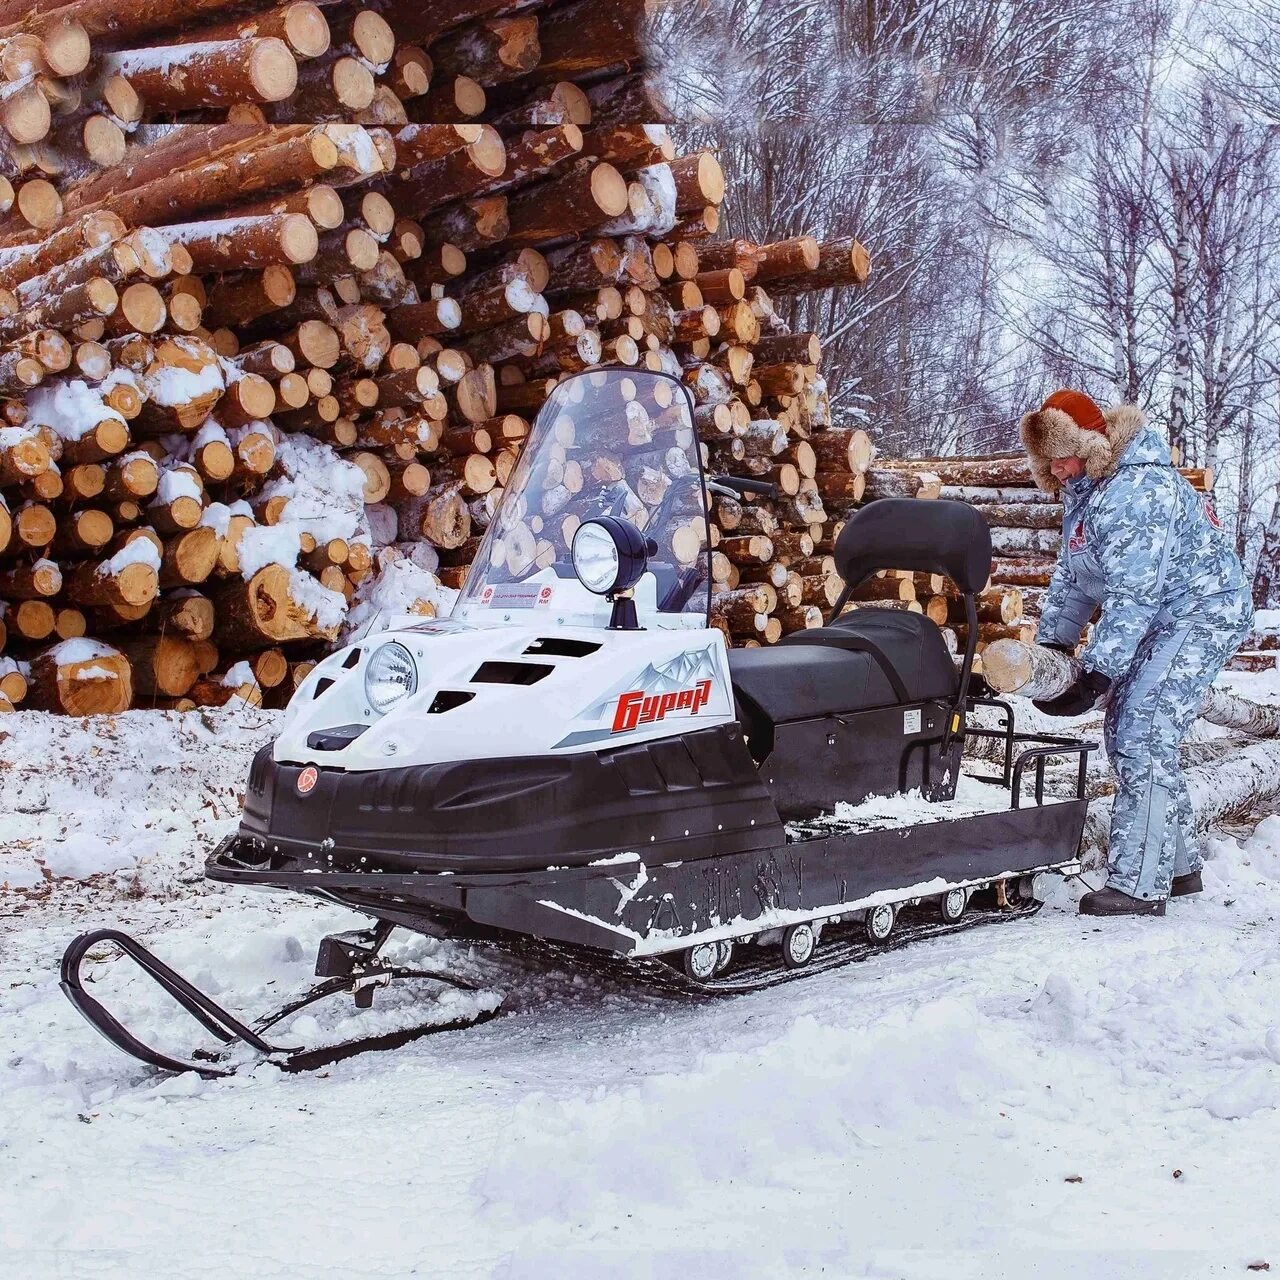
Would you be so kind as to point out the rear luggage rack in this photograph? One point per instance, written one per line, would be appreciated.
(1043, 747)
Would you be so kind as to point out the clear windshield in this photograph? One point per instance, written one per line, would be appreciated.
(618, 442)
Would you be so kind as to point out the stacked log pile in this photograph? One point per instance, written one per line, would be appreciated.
(281, 288)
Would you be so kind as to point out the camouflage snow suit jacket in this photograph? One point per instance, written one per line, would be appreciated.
(1143, 547)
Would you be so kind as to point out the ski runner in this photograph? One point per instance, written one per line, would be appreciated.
(1140, 544)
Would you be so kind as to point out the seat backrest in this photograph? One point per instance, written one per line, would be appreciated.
(938, 536)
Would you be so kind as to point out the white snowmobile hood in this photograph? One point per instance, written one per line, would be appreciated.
(492, 691)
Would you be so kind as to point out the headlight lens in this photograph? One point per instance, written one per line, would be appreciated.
(595, 557)
(390, 677)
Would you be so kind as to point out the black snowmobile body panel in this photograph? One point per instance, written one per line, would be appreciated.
(886, 751)
(692, 795)
(633, 905)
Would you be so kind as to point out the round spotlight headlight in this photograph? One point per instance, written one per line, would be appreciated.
(608, 555)
(595, 557)
(390, 677)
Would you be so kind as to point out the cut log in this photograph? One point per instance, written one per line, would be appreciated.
(1234, 712)
(80, 677)
(135, 583)
(1010, 666)
(1023, 542)
(186, 614)
(207, 74)
(233, 244)
(263, 612)
(490, 51)
(980, 472)
(566, 205)
(165, 665)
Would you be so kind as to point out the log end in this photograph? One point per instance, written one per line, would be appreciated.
(609, 190)
(306, 29)
(99, 685)
(299, 240)
(273, 70)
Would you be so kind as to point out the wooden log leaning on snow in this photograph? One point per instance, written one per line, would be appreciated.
(1237, 786)
(1233, 712)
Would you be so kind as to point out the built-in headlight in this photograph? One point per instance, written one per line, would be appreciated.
(390, 677)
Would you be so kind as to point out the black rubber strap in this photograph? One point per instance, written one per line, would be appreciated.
(831, 638)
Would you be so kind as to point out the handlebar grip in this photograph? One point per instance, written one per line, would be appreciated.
(747, 486)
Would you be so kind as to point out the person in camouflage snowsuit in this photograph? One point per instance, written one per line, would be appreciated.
(1142, 546)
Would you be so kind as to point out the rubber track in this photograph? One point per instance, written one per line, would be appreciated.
(758, 968)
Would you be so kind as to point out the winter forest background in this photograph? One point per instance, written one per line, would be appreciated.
(1054, 192)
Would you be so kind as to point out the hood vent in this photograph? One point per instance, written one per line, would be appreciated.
(511, 672)
(561, 647)
(447, 699)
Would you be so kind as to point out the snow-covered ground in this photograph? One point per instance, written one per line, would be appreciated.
(1049, 1097)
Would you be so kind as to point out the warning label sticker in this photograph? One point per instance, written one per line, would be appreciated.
(911, 721)
(517, 595)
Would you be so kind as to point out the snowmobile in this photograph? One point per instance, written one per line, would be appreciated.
(575, 759)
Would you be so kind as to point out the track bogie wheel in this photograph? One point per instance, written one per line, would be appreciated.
(700, 962)
(879, 923)
(951, 905)
(798, 944)
(724, 953)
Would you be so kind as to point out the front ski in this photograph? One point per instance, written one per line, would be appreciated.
(246, 1045)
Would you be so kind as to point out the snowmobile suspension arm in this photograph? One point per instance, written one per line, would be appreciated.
(212, 1016)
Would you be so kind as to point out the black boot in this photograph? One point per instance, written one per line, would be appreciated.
(1111, 902)
(1183, 885)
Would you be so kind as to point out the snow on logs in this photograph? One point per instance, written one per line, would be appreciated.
(278, 362)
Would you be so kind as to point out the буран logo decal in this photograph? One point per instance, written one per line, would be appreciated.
(307, 779)
(637, 707)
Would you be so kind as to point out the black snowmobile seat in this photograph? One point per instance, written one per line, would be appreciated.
(867, 658)
(941, 536)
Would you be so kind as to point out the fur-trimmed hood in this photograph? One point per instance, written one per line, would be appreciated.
(1051, 433)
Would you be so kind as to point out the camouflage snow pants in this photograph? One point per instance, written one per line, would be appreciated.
(1150, 709)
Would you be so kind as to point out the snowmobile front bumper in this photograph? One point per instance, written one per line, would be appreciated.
(689, 795)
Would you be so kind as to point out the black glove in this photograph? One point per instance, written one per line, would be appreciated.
(1068, 649)
(1080, 697)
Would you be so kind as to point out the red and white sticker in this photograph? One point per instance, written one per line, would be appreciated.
(637, 707)
(1077, 540)
(1212, 513)
(517, 595)
(307, 780)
